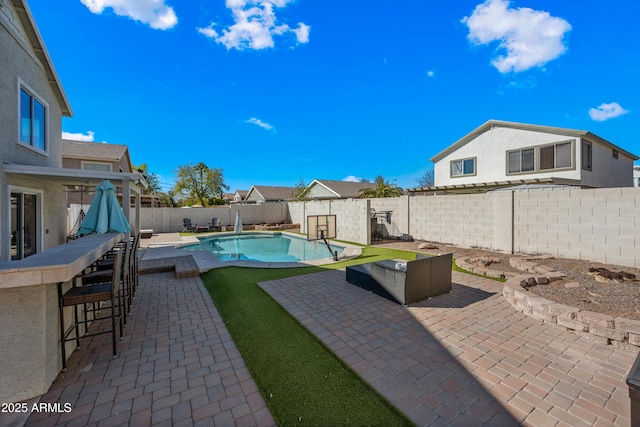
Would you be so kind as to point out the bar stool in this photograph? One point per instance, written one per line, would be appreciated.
(130, 268)
(104, 267)
(93, 291)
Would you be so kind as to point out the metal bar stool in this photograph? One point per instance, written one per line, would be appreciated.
(104, 267)
(92, 292)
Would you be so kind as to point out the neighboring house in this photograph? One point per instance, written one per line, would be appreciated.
(239, 196)
(263, 193)
(636, 176)
(326, 189)
(32, 104)
(99, 157)
(95, 156)
(505, 153)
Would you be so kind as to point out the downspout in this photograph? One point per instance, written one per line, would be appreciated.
(513, 225)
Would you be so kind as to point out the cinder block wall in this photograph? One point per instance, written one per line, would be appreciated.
(166, 220)
(352, 217)
(595, 224)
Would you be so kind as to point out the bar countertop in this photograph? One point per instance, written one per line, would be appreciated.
(58, 264)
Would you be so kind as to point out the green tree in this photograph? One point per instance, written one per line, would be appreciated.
(301, 191)
(382, 189)
(168, 199)
(152, 178)
(199, 183)
(427, 179)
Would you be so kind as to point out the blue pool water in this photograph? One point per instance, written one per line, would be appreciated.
(264, 248)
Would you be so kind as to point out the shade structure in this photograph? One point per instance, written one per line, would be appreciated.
(238, 227)
(105, 213)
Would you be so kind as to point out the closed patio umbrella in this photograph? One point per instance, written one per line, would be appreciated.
(105, 213)
(238, 227)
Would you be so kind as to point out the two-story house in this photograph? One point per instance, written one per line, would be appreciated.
(502, 153)
(33, 211)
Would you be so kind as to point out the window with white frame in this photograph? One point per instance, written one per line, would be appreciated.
(33, 120)
(96, 166)
(463, 167)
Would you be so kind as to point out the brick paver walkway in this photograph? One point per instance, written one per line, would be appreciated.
(464, 358)
(177, 366)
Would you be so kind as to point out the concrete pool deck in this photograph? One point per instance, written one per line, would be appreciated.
(167, 245)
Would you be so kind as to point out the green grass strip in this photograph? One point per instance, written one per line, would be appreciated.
(302, 381)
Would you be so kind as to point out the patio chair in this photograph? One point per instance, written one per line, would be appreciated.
(214, 225)
(188, 226)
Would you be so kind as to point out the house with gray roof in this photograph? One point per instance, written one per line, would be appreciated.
(328, 189)
(32, 177)
(97, 156)
(501, 154)
(265, 193)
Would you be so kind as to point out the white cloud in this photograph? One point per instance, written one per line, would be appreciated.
(530, 37)
(263, 125)
(155, 13)
(255, 25)
(351, 178)
(431, 73)
(78, 136)
(606, 111)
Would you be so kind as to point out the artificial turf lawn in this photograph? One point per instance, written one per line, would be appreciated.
(302, 381)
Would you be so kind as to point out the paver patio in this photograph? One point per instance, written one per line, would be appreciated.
(177, 366)
(464, 358)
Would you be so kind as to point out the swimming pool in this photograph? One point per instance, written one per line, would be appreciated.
(264, 247)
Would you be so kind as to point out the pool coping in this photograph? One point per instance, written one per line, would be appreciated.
(206, 260)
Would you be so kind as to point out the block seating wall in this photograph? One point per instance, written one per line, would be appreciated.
(426, 277)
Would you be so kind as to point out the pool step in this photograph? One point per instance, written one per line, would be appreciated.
(184, 266)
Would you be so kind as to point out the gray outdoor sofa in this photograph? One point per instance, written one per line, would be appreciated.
(425, 277)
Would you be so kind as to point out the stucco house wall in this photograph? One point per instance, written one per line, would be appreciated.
(20, 66)
(489, 144)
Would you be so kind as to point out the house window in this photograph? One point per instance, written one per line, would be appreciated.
(33, 120)
(521, 160)
(91, 166)
(587, 156)
(463, 167)
(555, 156)
(614, 154)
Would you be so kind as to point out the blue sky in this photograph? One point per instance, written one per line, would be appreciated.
(277, 91)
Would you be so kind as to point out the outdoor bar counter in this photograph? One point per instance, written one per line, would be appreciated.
(30, 356)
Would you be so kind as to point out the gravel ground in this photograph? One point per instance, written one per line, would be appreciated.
(583, 291)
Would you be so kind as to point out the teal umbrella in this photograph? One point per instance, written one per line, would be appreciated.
(105, 213)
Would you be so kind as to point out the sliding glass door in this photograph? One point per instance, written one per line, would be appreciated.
(24, 225)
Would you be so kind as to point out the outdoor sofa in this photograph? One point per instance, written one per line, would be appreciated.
(404, 282)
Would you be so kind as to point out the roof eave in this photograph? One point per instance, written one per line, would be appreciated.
(40, 50)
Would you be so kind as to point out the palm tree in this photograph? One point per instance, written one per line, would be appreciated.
(382, 189)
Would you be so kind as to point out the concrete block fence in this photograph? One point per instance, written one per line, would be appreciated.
(594, 224)
(169, 220)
